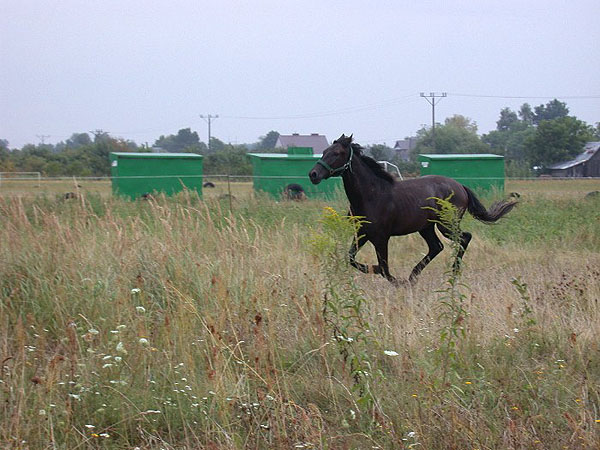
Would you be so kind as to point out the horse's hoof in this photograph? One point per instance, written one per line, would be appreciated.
(399, 283)
(375, 270)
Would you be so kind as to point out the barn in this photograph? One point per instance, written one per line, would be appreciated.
(586, 164)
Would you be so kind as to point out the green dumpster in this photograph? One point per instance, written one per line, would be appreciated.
(273, 172)
(137, 174)
(480, 172)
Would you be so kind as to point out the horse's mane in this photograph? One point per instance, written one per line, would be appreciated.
(372, 164)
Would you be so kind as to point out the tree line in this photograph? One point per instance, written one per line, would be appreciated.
(531, 139)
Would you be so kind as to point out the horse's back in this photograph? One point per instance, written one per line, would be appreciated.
(430, 186)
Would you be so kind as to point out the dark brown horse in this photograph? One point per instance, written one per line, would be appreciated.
(395, 208)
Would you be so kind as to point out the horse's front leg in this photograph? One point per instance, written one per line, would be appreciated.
(357, 243)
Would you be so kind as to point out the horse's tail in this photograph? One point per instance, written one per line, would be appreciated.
(496, 211)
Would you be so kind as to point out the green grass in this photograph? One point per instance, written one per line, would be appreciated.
(188, 323)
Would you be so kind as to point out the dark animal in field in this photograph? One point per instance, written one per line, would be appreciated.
(209, 184)
(395, 208)
(294, 191)
(69, 195)
(593, 194)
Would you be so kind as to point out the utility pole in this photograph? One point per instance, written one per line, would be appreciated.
(435, 99)
(42, 138)
(208, 119)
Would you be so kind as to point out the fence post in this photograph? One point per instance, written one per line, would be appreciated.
(229, 194)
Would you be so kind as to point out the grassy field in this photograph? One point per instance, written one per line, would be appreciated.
(540, 187)
(187, 323)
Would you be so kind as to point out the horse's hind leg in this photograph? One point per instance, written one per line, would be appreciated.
(357, 243)
(435, 247)
(465, 238)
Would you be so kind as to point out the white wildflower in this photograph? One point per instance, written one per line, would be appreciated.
(136, 291)
(390, 353)
(121, 348)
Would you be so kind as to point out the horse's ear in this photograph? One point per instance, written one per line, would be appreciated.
(351, 137)
(345, 140)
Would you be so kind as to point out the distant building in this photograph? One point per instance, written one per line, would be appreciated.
(587, 164)
(316, 141)
(404, 147)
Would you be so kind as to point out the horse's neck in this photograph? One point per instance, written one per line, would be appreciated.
(360, 184)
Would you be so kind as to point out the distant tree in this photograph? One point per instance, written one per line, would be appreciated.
(268, 141)
(4, 156)
(217, 145)
(526, 114)
(552, 110)
(508, 118)
(228, 160)
(596, 134)
(32, 163)
(457, 135)
(558, 140)
(78, 140)
(185, 140)
(510, 142)
(379, 152)
(53, 169)
(462, 122)
(100, 135)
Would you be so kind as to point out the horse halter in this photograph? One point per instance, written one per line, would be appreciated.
(339, 170)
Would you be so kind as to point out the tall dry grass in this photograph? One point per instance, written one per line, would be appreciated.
(177, 323)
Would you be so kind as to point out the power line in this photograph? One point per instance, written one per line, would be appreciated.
(566, 97)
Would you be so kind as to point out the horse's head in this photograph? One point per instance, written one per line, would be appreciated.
(335, 160)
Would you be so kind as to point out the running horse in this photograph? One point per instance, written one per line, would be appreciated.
(391, 207)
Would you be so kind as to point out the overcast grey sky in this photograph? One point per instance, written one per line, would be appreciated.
(141, 68)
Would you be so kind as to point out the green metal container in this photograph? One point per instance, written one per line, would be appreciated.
(272, 172)
(480, 172)
(136, 174)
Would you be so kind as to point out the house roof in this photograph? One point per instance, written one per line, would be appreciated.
(405, 144)
(317, 141)
(589, 150)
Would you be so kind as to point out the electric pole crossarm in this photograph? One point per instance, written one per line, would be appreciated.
(435, 99)
(208, 119)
